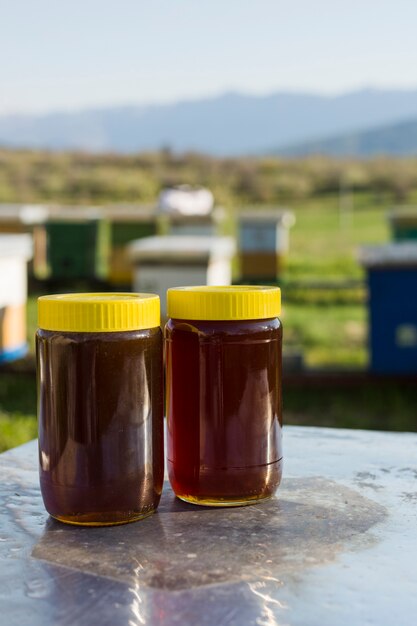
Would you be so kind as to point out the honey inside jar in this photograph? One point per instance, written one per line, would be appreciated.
(100, 406)
(224, 408)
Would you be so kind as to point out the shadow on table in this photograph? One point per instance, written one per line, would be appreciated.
(310, 521)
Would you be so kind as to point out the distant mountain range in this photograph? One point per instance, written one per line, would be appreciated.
(362, 122)
(394, 139)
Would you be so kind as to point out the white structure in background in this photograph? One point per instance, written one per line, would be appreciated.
(15, 252)
(174, 261)
(27, 218)
(186, 200)
(18, 215)
(264, 241)
(190, 211)
(196, 224)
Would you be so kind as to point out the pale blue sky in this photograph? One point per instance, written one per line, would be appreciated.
(82, 53)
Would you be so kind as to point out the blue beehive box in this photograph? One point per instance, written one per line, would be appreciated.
(392, 284)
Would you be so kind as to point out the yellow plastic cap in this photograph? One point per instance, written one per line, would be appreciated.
(98, 312)
(245, 302)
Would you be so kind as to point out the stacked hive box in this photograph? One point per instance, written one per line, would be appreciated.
(15, 251)
(174, 261)
(198, 225)
(264, 242)
(188, 209)
(78, 244)
(127, 223)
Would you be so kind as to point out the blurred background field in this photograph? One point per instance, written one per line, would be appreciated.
(324, 291)
(323, 288)
(313, 118)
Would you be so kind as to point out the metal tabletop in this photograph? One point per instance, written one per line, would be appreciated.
(337, 546)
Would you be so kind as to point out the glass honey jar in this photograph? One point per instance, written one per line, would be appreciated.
(100, 406)
(224, 398)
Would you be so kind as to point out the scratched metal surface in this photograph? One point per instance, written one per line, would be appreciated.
(337, 546)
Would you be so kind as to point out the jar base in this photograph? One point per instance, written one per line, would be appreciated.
(88, 520)
(223, 502)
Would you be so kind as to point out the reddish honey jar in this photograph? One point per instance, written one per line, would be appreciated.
(100, 406)
(224, 398)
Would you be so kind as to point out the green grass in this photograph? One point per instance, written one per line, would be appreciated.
(329, 335)
(324, 244)
(31, 321)
(322, 317)
(16, 429)
(388, 406)
(17, 409)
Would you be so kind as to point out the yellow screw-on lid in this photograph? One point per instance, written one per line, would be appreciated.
(243, 302)
(98, 312)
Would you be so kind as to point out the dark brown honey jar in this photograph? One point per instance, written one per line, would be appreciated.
(224, 399)
(100, 406)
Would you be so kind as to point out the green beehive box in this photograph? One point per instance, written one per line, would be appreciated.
(123, 232)
(403, 222)
(127, 223)
(78, 245)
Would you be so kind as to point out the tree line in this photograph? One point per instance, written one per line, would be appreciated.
(62, 177)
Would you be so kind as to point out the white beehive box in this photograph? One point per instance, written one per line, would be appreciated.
(175, 261)
(15, 252)
(27, 218)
